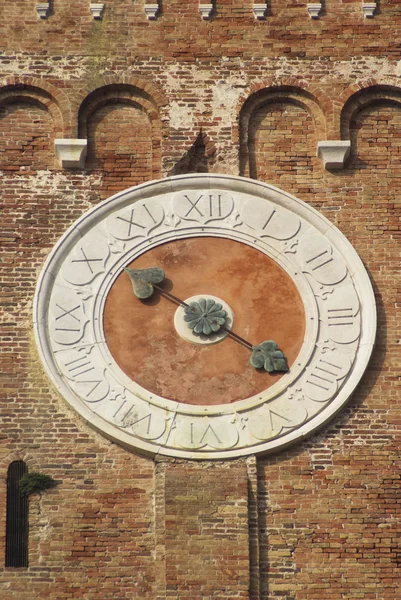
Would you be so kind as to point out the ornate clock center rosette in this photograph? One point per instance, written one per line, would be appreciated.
(201, 321)
(78, 281)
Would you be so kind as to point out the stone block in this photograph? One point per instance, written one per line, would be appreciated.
(71, 153)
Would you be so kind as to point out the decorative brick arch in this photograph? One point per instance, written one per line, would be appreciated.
(283, 93)
(126, 93)
(115, 93)
(145, 93)
(42, 93)
(315, 100)
(356, 97)
(28, 458)
(149, 88)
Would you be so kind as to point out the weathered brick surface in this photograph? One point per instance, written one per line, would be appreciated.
(202, 527)
(121, 148)
(232, 95)
(31, 145)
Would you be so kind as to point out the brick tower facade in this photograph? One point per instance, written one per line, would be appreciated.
(304, 97)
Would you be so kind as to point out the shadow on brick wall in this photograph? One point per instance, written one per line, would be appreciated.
(196, 160)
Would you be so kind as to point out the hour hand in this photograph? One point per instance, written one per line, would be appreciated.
(142, 280)
(269, 357)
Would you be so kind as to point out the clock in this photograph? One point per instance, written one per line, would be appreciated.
(135, 371)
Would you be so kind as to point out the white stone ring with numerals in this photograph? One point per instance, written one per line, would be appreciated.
(79, 277)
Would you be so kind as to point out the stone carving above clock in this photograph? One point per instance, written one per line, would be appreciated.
(336, 294)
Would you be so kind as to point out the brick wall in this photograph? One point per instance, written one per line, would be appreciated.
(30, 147)
(120, 148)
(232, 95)
(202, 530)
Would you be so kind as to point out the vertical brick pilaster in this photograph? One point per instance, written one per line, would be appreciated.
(159, 520)
(202, 530)
(253, 521)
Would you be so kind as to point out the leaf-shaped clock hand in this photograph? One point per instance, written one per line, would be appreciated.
(143, 280)
(268, 356)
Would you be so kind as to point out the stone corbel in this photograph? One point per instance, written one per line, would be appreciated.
(71, 153)
(206, 11)
(43, 10)
(368, 9)
(96, 10)
(151, 11)
(333, 153)
(314, 10)
(259, 10)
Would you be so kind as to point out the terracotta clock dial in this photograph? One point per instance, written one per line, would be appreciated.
(143, 341)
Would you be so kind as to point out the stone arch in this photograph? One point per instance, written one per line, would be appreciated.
(285, 95)
(124, 96)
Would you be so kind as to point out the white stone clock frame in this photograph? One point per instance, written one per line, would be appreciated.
(337, 295)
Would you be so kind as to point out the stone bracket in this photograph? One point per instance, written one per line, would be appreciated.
(151, 11)
(206, 11)
(43, 9)
(314, 10)
(333, 153)
(259, 10)
(96, 10)
(71, 153)
(368, 9)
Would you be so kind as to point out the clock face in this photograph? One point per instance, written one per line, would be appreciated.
(135, 371)
(142, 338)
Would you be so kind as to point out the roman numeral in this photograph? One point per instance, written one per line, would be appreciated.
(135, 221)
(320, 260)
(150, 426)
(126, 422)
(340, 317)
(92, 390)
(96, 383)
(203, 207)
(278, 416)
(132, 223)
(86, 260)
(194, 205)
(79, 366)
(213, 205)
(70, 314)
(120, 407)
(213, 432)
(67, 312)
(324, 375)
(269, 218)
